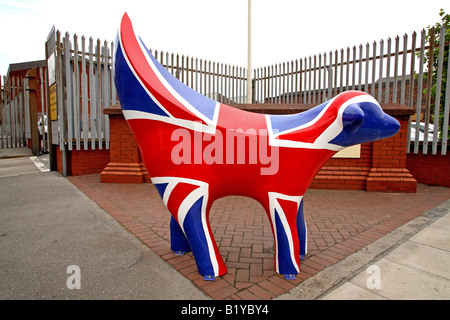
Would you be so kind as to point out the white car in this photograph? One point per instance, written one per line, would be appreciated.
(421, 131)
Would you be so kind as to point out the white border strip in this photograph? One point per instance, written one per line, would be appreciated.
(39, 164)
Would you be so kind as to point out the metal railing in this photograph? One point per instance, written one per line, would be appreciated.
(84, 89)
(12, 114)
(393, 71)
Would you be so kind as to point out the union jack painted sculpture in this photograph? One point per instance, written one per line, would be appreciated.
(197, 150)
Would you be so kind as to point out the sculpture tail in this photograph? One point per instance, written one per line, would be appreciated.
(147, 90)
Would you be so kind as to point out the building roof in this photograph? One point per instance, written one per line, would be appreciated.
(17, 69)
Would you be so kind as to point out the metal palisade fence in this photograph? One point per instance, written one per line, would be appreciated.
(82, 73)
(12, 114)
(15, 112)
(219, 81)
(85, 87)
(393, 71)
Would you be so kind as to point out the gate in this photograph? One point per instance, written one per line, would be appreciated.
(12, 114)
(80, 87)
(22, 108)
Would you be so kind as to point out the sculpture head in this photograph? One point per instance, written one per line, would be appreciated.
(350, 118)
(364, 121)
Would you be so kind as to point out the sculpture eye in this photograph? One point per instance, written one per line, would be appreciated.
(352, 118)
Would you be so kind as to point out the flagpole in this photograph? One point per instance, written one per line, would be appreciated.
(249, 52)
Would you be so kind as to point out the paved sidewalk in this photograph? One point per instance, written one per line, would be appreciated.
(343, 229)
(417, 269)
(6, 153)
(47, 226)
(406, 264)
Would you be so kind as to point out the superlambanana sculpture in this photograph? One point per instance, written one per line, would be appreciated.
(197, 150)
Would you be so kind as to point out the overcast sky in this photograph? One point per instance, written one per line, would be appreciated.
(215, 29)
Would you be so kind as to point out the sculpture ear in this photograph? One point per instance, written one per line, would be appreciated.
(352, 118)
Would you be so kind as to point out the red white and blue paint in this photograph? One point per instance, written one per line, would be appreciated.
(156, 105)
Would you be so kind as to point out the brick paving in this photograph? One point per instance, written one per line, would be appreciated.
(339, 224)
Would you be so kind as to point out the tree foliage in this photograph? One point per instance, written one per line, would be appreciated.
(436, 29)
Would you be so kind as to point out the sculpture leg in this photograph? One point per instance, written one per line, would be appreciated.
(302, 232)
(283, 215)
(199, 235)
(187, 201)
(178, 242)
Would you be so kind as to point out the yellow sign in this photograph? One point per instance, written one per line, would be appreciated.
(53, 103)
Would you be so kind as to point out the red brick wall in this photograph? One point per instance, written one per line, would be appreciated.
(429, 168)
(389, 173)
(381, 166)
(83, 162)
(125, 163)
(391, 152)
(124, 148)
(345, 173)
(88, 161)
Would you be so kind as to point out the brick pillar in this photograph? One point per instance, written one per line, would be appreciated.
(125, 164)
(388, 172)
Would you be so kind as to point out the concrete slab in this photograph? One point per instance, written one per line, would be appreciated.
(48, 225)
(436, 235)
(401, 282)
(349, 291)
(17, 166)
(343, 271)
(6, 153)
(423, 257)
